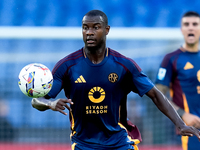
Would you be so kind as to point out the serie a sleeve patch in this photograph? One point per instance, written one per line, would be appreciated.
(161, 73)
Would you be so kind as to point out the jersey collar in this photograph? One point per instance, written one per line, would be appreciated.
(106, 54)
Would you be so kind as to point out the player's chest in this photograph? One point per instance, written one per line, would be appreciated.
(107, 75)
(188, 68)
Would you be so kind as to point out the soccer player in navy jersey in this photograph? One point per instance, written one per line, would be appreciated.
(180, 72)
(96, 81)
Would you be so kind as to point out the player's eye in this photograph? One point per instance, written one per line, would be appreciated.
(186, 24)
(85, 27)
(195, 24)
(96, 27)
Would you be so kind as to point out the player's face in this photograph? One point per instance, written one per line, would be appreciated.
(94, 31)
(190, 28)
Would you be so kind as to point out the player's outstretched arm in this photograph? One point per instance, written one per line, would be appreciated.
(188, 118)
(165, 107)
(43, 104)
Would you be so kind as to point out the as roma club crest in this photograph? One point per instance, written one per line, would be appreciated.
(113, 77)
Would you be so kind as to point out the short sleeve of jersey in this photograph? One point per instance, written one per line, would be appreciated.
(141, 83)
(58, 73)
(165, 71)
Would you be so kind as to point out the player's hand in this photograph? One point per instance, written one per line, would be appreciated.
(191, 120)
(60, 105)
(189, 131)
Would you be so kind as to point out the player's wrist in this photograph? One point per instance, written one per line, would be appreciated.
(52, 104)
(40, 103)
(180, 112)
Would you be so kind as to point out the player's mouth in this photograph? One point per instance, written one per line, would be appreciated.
(90, 41)
(190, 35)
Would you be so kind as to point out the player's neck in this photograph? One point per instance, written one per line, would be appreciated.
(191, 48)
(95, 55)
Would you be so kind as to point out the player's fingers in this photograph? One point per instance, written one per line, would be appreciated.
(67, 101)
(63, 104)
(60, 107)
(187, 133)
(61, 111)
(68, 107)
(196, 132)
(190, 131)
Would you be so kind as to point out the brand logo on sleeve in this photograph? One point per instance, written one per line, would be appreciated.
(161, 73)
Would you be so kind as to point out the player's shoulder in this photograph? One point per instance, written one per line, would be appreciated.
(73, 56)
(173, 54)
(69, 60)
(123, 60)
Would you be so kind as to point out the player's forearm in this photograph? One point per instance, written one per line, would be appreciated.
(164, 89)
(179, 110)
(41, 104)
(165, 107)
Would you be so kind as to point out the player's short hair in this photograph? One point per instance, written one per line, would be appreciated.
(191, 14)
(93, 13)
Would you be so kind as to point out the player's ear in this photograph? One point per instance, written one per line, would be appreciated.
(181, 30)
(107, 29)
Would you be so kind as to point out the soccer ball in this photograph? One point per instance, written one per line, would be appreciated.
(35, 80)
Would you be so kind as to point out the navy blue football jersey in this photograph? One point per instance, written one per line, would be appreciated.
(96, 90)
(180, 71)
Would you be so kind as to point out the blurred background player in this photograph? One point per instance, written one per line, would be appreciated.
(96, 79)
(7, 132)
(180, 72)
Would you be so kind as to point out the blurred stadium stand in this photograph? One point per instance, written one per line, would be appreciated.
(143, 13)
(34, 126)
